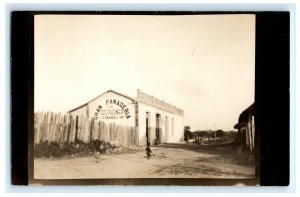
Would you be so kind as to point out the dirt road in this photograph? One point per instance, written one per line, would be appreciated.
(168, 161)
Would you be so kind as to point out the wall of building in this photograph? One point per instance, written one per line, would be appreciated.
(250, 133)
(157, 103)
(110, 108)
(171, 128)
(115, 108)
(246, 128)
(81, 112)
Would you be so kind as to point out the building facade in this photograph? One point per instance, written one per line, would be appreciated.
(246, 128)
(153, 120)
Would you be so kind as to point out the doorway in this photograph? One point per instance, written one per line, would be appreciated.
(157, 134)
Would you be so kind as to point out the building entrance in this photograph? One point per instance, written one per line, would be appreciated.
(157, 134)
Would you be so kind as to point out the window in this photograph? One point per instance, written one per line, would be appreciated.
(172, 126)
(167, 127)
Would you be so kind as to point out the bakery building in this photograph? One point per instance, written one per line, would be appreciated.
(150, 119)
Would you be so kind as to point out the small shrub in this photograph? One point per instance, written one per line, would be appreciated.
(46, 149)
(54, 149)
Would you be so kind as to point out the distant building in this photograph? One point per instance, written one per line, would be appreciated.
(246, 128)
(153, 120)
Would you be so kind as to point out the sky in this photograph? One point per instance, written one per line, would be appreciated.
(203, 64)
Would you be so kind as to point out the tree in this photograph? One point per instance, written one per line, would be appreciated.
(203, 133)
(188, 128)
(187, 133)
(232, 135)
(220, 133)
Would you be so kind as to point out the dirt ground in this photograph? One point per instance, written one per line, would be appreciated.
(168, 161)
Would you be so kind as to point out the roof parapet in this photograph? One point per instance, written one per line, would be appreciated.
(152, 101)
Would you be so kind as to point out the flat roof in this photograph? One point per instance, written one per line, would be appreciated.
(142, 98)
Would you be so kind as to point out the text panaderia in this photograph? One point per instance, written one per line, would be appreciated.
(110, 112)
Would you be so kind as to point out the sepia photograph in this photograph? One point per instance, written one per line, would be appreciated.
(144, 96)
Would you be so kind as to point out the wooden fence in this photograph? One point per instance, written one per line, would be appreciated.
(63, 128)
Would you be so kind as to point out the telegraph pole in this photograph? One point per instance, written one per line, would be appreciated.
(215, 131)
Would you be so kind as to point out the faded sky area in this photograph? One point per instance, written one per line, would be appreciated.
(202, 64)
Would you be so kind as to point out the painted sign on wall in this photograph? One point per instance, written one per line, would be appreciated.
(112, 109)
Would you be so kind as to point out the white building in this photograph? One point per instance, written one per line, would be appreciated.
(153, 120)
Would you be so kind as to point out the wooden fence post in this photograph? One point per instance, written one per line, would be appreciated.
(91, 129)
(76, 130)
(69, 129)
